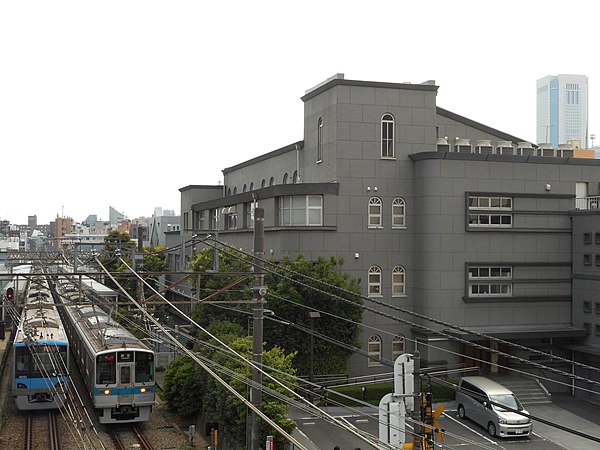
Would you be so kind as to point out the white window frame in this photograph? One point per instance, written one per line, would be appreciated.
(398, 213)
(374, 350)
(398, 281)
(387, 136)
(490, 281)
(490, 211)
(375, 213)
(307, 206)
(374, 282)
(320, 140)
(398, 345)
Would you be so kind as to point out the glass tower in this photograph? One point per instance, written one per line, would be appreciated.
(562, 110)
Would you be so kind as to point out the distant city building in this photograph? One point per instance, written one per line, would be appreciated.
(562, 110)
(163, 221)
(115, 217)
(63, 227)
(90, 219)
(32, 222)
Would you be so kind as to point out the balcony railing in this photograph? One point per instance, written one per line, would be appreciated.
(588, 202)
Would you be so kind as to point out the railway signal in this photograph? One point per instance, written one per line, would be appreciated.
(10, 293)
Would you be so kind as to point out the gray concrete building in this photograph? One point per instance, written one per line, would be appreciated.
(434, 212)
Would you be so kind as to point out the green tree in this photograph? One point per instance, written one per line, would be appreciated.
(315, 284)
(231, 411)
(189, 389)
(182, 386)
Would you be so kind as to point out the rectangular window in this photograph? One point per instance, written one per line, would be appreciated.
(493, 212)
(301, 210)
(249, 208)
(200, 220)
(587, 307)
(597, 238)
(597, 259)
(490, 281)
(597, 307)
(587, 260)
(597, 330)
(214, 219)
(587, 327)
(587, 238)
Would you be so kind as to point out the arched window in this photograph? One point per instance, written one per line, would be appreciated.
(272, 181)
(244, 188)
(263, 183)
(374, 289)
(374, 212)
(398, 281)
(285, 178)
(397, 347)
(295, 177)
(387, 136)
(252, 186)
(374, 350)
(398, 213)
(320, 140)
(229, 192)
(235, 190)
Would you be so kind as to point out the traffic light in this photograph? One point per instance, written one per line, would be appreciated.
(10, 293)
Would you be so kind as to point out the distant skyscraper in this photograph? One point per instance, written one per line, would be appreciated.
(562, 109)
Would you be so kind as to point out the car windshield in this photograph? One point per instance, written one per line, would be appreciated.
(508, 400)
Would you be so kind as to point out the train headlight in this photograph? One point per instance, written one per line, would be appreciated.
(142, 390)
(21, 386)
(106, 391)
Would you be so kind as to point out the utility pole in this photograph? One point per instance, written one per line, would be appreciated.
(416, 414)
(259, 291)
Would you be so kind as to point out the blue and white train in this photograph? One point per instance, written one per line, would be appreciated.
(118, 368)
(40, 376)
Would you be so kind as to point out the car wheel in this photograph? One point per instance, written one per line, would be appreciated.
(492, 429)
(461, 412)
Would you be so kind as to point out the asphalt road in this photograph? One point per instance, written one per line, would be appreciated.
(317, 434)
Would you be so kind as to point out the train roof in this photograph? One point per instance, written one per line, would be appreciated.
(40, 320)
(99, 330)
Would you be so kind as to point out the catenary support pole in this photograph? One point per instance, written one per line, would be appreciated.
(257, 327)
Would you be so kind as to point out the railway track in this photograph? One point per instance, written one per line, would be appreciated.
(41, 431)
(129, 436)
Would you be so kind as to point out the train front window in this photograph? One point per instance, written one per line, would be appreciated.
(41, 361)
(22, 361)
(144, 367)
(106, 369)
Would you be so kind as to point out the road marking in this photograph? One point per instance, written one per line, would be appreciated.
(483, 436)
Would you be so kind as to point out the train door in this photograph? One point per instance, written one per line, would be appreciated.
(125, 374)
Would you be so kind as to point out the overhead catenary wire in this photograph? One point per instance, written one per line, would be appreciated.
(421, 316)
(202, 364)
(206, 368)
(139, 307)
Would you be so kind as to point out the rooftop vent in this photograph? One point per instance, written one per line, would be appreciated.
(505, 148)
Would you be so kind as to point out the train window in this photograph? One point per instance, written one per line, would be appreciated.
(106, 370)
(144, 367)
(125, 374)
(22, 364)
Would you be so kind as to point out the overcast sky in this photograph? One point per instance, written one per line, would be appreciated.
(122, 103)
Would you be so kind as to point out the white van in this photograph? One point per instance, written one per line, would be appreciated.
(473, 401)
